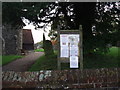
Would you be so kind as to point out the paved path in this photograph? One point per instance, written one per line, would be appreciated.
(23, 64)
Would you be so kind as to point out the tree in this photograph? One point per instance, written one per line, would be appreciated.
(14, 12)
(100, 21)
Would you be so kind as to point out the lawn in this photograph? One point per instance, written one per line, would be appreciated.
(108, 60)
(39, 50)
(9, 58)
(114, 51)
(45, 63)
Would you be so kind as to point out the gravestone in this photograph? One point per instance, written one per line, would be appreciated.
(48, 48)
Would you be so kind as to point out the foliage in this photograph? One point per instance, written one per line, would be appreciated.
(11, 13)
(39, 44)
(100, 21)
(14, 12)
(52, 34)
(9, 58)
(107, 25)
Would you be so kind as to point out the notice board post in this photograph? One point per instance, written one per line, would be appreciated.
(81, 48)
(70, 48)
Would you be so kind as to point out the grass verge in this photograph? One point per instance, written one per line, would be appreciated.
(9, 58)
(45, 63)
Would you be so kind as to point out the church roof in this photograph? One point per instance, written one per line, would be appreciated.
(27, 36)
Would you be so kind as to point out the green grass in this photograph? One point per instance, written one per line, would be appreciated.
(9, 58)
(108, 60)
(39, 50)
(100, 61)
(113, 51)
(45, 63)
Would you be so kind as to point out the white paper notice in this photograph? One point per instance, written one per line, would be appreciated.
(63, 40)
(64, 45)
(73, 40)
(69, 47)
(73, 62)
(73, 51)
(64, 51)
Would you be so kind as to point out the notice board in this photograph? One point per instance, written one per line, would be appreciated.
(69, 48)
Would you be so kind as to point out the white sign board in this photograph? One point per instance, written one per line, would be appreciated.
(64, 46)
(69, 48)
(73, 62)
(73, 39)
(64, 51)
(73, 51)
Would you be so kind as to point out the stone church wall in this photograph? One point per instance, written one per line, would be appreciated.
(12, 40)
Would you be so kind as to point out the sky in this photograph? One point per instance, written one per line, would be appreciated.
(37, 34)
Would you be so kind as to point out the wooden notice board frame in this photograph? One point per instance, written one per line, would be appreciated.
(80, 46)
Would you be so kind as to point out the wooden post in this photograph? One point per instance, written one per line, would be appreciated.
(81, 50)
(58, 44)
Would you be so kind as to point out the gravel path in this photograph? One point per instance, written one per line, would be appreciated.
(23, 64)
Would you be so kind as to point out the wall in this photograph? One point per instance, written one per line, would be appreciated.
(12, 39)
(91, 78)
